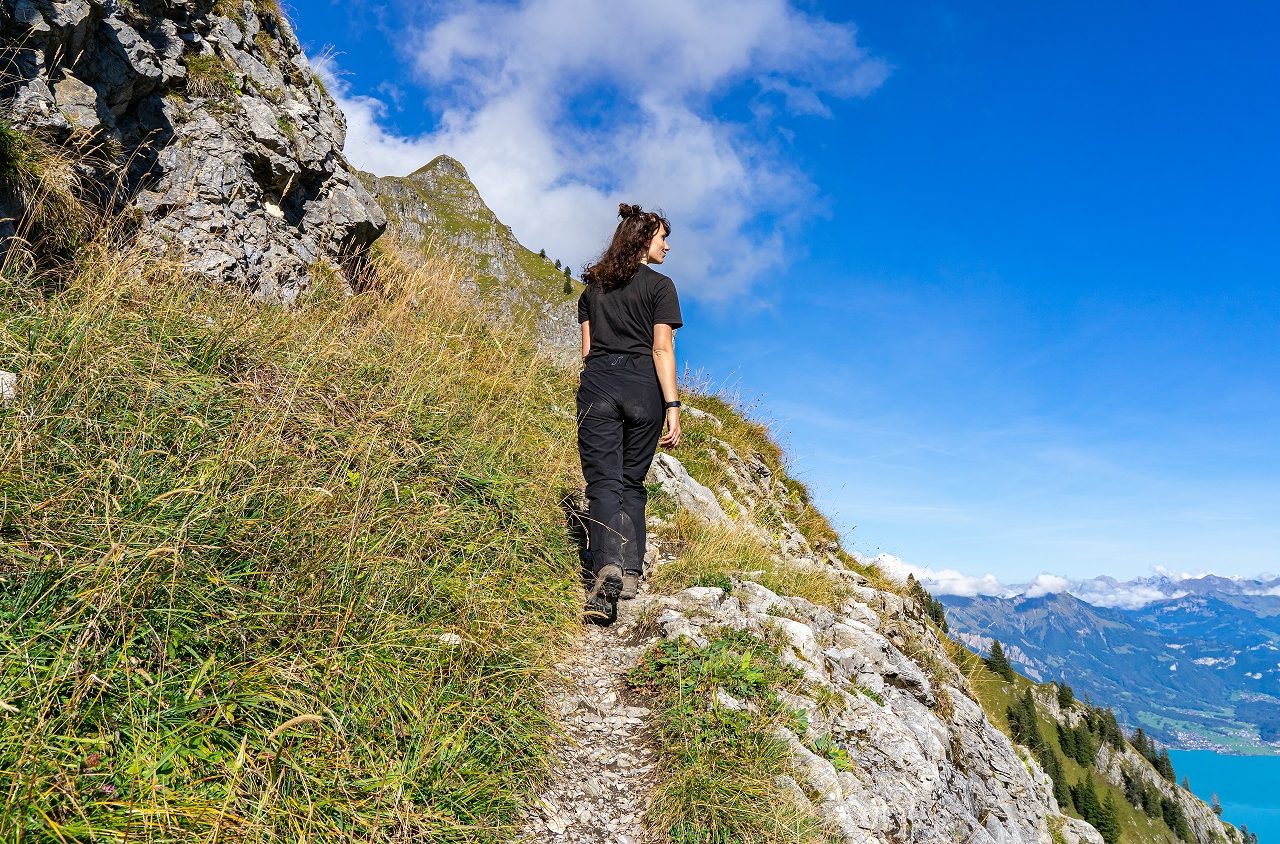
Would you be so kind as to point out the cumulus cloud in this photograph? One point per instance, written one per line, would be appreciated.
(1047, 584)
(560, 109)
(942, 581)
(1105, 592)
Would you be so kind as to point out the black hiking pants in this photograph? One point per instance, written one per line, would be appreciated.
(620, 418)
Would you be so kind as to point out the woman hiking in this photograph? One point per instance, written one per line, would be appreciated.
(627, 392)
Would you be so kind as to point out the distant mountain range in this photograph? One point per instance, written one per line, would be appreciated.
(1194, 661)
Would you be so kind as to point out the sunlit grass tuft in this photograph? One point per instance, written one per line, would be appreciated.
(711, 554)
(720, 766)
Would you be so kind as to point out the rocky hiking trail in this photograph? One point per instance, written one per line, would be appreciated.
(603, 770)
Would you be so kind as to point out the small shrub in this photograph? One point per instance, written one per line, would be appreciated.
(833, 753)
(870, 695)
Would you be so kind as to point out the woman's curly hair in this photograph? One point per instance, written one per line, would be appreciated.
(628, 248)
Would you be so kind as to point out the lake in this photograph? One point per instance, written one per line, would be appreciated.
(1247, 786)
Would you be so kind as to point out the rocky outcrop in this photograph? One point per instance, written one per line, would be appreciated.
(437, 211)
(927, 763)
(202, 120)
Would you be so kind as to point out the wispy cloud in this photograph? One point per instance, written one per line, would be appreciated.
(562, 108)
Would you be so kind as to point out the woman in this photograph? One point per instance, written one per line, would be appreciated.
(629, 313)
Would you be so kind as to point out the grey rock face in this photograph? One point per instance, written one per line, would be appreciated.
(207, 119)
(687, 492)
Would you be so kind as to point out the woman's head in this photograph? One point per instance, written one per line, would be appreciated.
(641, 237)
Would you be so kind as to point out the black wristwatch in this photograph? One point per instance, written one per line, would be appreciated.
(671, 404)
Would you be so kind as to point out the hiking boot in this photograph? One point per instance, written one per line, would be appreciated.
(630, 585)
(602, 599)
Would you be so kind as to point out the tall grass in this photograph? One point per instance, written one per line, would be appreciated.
(274, 575)
(709, 555)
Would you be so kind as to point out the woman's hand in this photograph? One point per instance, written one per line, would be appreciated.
(671, 439)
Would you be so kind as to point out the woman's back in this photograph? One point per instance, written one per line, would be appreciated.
(622, 319)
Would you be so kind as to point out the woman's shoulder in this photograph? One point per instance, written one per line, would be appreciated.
(652, 276)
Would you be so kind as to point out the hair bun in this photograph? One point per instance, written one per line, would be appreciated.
(626, 211)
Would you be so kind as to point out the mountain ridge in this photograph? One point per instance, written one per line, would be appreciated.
(1191, 670)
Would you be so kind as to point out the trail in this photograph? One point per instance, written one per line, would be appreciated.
(603, 770)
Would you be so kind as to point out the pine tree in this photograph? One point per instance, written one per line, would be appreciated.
(998, 663)
(1067, 740)
(567, 272)
(1086, 747)
(1066, 696)
(1023, 723)
(1186, 786)
(1086, 800)
(1165, 765)
(932, 606)
(1216, 805)
(542, 253)
(557, 263)
(1053, 767)
(568, 286)
(1141, 743)
(1110, 732)
(1108, 821)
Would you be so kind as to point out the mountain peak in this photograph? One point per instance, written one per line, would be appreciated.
(442, 165)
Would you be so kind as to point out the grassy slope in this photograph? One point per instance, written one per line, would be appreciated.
(997, 696)
(273, 575)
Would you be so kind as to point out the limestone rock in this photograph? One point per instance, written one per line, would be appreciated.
(8, 387)
(687, 492)
(213, 127)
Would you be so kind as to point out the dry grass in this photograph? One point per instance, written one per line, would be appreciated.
(232, 537)
(708, 555)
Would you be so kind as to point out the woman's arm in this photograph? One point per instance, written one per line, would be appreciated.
(664, 361)
(586, 339)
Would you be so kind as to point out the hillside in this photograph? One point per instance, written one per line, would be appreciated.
(436, 210)
(1195, 670)
(306, 570)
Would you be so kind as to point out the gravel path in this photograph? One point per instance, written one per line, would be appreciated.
(603, 770)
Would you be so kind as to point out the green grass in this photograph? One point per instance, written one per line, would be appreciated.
(704, 458)
(209, 77)
(718, 765)
(233, 539)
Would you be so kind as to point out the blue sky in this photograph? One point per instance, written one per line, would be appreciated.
(1004, 276)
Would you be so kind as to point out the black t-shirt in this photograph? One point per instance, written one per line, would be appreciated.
(622, 320)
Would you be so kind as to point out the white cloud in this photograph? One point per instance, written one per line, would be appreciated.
(1098, 591)
(560, 109)
(1105, 592)
(941, 581)
(1047, 584)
